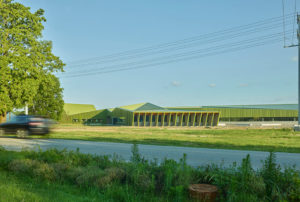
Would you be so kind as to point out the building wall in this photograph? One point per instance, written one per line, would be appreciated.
(93, 117)
(175, 119)
(72, 109)
(124, 116)
(237, 114)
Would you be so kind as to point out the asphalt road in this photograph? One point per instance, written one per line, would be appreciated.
(195, 156)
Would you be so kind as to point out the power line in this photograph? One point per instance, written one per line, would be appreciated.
(185, 53)
(182, 59)
(161, 60)
(184, 46)
(259, 23)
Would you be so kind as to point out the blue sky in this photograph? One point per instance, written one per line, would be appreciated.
(83, 29)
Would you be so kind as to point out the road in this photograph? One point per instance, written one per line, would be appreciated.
(195, 156)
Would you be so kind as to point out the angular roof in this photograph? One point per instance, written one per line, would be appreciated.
(92, 114)
(264, 106)
(71, 109)
(142, 107)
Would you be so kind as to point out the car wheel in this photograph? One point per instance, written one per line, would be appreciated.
(46, 131)
(2, 132)
(23, 133)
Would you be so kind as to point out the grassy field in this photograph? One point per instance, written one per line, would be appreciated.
(279, 140)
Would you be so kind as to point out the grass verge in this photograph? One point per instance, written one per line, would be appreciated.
(55, 175)
(278, 140)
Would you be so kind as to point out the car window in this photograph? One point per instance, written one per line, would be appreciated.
(18, 119)
(36, 119)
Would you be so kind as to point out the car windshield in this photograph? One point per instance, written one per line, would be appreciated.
(18, 119)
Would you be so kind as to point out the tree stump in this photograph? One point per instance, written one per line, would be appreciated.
(203, 192)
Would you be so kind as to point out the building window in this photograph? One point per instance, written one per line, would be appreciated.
(153, 118)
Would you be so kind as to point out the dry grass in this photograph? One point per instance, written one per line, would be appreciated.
(241, 138)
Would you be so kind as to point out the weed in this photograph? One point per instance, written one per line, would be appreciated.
(142, 180)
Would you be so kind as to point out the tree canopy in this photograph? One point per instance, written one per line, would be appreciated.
(27, 64)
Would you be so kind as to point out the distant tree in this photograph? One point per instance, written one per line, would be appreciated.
(26, 61)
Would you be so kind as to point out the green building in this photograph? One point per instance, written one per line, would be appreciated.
(268, 112)
(71, 109)
(146, 115)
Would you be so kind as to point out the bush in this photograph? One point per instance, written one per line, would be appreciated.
(23, 166)
(89, 176)
(110, 176)
(141, 180)
(44, 171)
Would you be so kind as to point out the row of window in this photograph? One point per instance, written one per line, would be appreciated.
(260, 119)
(88, 120)
(166, 118)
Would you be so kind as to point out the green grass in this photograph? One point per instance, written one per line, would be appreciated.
(279, 140)
(60, 175)
(23, 188)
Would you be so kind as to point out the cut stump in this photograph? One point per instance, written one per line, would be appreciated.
(203, 192)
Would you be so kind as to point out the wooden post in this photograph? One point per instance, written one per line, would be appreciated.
(151, 116)
(194, 120)
(139, 116)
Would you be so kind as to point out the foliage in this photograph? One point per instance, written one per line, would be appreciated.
(26, 61)
(142, 180)
(49, 100)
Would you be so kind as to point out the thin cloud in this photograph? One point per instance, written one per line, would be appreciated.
(175, 83)
(212, 85)
(243, 85)
(295, 59)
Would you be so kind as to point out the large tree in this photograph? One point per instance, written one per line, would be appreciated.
(49, 100)
(27, 63)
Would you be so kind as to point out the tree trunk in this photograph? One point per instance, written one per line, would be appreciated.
(3, 117)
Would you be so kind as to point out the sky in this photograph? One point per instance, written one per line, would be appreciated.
(86, 29)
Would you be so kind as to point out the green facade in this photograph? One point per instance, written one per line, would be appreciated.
(96, 117)
(246, 113)
(149, 115)
(71, 109)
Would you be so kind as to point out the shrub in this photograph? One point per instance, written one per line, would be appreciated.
(23, 166)
(110, 176)
(88, 179)
(60, 170)
(44, 171)
(118, 180)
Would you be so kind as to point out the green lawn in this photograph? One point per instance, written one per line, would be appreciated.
(280, 140)
(21, 188)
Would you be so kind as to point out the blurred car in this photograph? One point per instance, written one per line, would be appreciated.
(25, 125)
